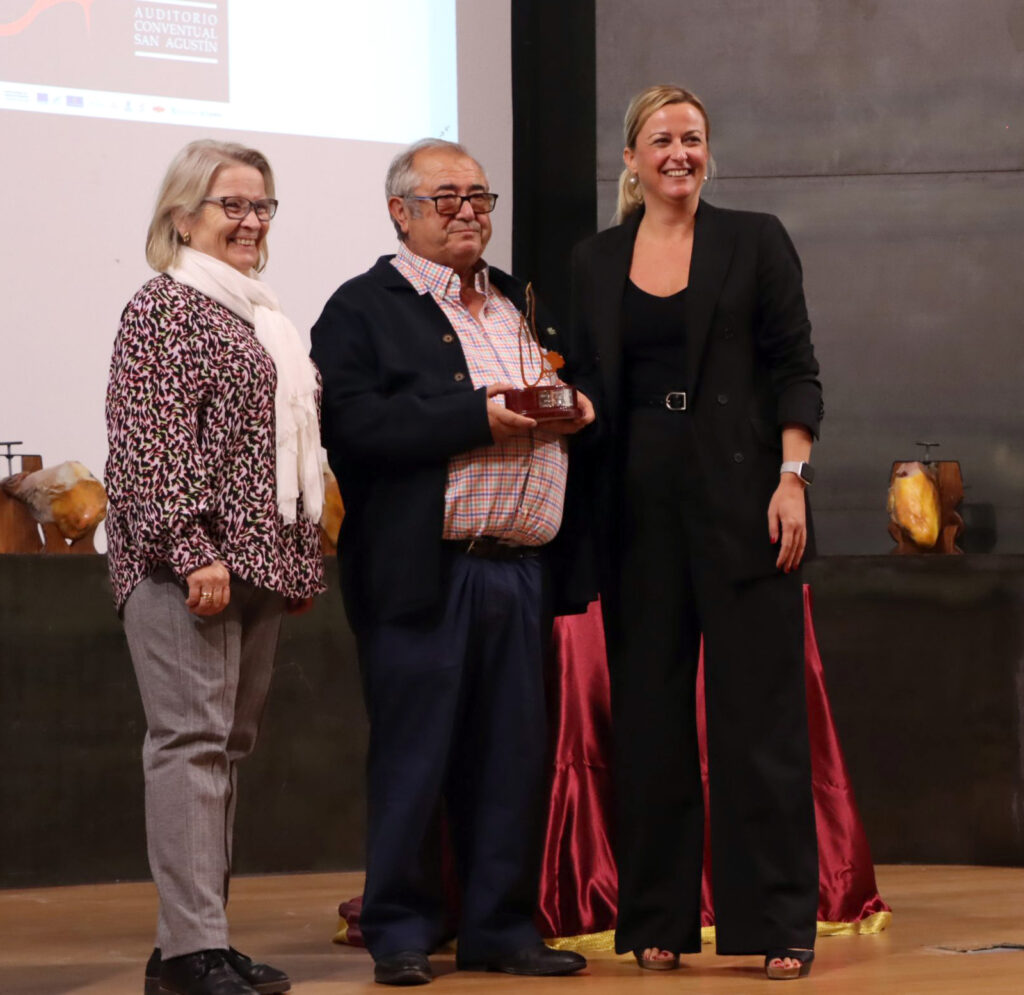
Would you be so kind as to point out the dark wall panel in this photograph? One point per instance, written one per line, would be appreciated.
(923, 661)
(889, 137)
(848, 86)
(553, 141)
(922, 657)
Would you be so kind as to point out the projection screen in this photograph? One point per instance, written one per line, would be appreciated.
(96, 96)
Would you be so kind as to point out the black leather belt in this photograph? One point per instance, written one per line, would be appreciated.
(489, 548)
(674, 400)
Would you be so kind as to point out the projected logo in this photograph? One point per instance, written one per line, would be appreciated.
(169, 48)
(19, 25)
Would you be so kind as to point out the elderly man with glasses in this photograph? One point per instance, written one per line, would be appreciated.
(454, 554)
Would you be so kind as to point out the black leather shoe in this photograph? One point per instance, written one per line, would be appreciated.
(539, 960)
(262, 978)
(152, 985)
(206, 972)
(265, 979)
(407, 967)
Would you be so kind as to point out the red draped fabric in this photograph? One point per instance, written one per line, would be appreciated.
(578, 882)
(578, 886)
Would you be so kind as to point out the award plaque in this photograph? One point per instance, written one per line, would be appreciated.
(541, 403)
(546, 398)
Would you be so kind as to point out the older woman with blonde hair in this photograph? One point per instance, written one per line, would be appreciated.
(215, 493)
(695, 318)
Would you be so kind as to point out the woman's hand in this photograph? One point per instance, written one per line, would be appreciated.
(787, 518)
(209, 589)
(570, 426)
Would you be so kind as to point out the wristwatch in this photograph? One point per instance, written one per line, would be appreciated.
(803, 470)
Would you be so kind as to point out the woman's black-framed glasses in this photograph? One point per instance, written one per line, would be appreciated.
(238, 208)
(449, 204)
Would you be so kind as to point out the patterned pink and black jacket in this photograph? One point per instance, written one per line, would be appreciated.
(191, 469)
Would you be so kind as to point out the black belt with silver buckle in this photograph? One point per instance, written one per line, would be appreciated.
(489, 548)
(674, 400)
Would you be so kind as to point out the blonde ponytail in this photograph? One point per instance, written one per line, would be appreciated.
(631, 196)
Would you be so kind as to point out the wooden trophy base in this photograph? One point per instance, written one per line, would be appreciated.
(544, 403)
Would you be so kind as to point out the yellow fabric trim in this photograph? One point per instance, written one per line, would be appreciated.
(862, 927)
(604, 941)
(599, 942)
(585, 943)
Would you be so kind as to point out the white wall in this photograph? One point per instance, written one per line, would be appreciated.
(77, 196)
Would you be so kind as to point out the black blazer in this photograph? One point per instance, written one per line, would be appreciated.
(750, 366)
(398, 403)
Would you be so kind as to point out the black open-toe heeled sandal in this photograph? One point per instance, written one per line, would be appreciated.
(650, 964)
(779, 973)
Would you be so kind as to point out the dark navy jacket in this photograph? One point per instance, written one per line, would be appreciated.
(398, 403)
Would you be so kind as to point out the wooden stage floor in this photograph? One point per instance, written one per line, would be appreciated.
(94, 940)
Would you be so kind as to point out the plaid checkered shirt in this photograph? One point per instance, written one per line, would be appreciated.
(514, 489)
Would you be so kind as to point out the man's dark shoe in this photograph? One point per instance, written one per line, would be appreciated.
(262, 978)
(407, 967)
(537, 961)
(206, 972)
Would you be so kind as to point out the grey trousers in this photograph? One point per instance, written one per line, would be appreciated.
(204, 682)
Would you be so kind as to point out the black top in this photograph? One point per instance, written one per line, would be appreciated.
(653, 341)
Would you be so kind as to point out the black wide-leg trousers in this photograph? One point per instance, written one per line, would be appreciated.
(671, 590)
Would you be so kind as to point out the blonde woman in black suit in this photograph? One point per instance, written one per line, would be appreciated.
(694, 319)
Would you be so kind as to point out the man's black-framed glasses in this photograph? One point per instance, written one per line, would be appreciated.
(449, 204)
(238, 208)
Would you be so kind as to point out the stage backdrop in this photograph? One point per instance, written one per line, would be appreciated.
(889, 137)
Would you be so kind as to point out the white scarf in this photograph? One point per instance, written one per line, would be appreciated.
(298, 430)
